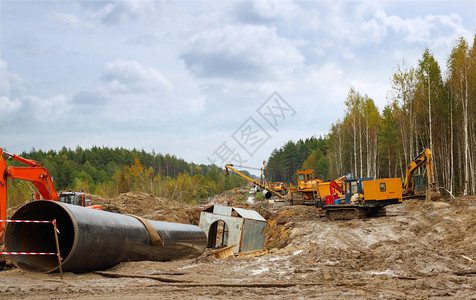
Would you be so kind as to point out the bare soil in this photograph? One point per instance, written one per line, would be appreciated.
(420, 250)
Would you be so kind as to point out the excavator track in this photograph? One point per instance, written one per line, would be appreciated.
(297, 198)
(382, 212)
(346, 213)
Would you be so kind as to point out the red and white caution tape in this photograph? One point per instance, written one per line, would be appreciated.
(28, 253)
(26, 221)
(31, 221)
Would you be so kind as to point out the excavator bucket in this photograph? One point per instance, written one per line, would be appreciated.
(432, 194)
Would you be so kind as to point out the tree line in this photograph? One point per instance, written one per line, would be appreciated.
(108, 171)
(425, 109)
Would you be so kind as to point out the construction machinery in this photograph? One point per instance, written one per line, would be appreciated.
(267, 192)
(311, 190)
(363, 197)
(414, 185)
(41, 179)
(77, 198)
(279, 187)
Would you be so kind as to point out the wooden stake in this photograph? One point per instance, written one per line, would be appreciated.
(58, 254)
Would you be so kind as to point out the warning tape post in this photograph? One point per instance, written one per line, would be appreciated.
(56, 231)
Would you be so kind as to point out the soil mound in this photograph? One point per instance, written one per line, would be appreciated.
(150, 207)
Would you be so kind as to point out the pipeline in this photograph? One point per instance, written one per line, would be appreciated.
(266, 194)
(93, 239)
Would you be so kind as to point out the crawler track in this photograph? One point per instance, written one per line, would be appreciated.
(349, 213)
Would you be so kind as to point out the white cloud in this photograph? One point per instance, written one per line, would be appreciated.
(71, 20)
(52, 106)
(263, 11)
(430, 30)
(377, 90)
(241, 52)
(197, 105)
(4, 79)
(119, 11)
(9, 107)
(10, 85)
(131, 77)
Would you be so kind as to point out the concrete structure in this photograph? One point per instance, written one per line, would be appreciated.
(226, 226)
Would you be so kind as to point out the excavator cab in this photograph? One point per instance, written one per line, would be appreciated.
(75, 198)
(419, 184)
(354, 188)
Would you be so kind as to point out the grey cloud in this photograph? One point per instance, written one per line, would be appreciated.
(222, 65)
(27, 43)
(131, 77)
(90, 98)
(114, 12)
(246, 13)
(241, 53)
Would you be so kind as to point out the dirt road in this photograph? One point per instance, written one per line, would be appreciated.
(419, 250)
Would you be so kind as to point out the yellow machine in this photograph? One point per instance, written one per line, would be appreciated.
(413, 186)
(279, 187)
(265, 190)
(365, 197)
(311, 190)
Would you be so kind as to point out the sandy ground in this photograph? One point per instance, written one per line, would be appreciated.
(420, 250)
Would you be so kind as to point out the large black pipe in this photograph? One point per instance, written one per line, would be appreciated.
(92, 239)
(267, 194)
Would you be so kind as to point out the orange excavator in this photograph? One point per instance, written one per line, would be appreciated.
(41, 179)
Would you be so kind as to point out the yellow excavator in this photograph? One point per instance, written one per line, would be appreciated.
(414, 185)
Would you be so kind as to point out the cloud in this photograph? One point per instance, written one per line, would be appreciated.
(265, 12)
(374, 89)
(71, 20)
(90, 98)
(430, 30)
(131, 77)
(27, 43)
(326, 76)
(18, 109)
(9, 107)
(10, 87)
(120, 11)
(241, 53)
(197, 105)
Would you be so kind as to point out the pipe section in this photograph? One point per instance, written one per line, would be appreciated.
(266, 194)
(93, 239)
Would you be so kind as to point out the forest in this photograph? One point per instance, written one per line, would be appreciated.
(106, 172)
(425, 109)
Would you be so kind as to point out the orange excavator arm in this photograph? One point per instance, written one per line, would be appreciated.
(3, 193)
(39, 177)
(35, 173)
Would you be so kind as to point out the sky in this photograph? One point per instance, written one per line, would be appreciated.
(208, 81)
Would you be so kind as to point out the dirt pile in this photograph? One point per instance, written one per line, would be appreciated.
(150, 207)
